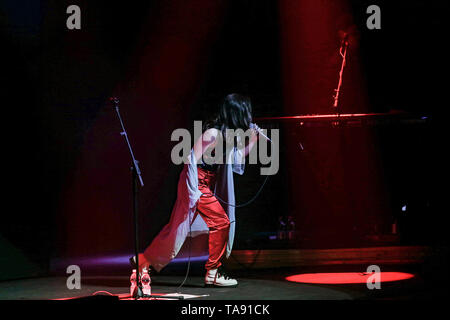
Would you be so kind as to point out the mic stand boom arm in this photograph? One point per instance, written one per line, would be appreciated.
(124, 133)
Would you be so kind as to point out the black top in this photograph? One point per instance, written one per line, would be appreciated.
(208, 167)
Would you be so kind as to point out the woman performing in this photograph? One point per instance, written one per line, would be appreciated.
(209, 172)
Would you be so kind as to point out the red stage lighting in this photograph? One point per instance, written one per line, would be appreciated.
(346, 277)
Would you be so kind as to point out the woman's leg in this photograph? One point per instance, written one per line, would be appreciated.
(219, 226)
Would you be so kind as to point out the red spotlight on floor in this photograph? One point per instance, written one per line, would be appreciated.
(346, 277)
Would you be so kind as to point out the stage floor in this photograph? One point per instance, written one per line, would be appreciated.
(253, 285)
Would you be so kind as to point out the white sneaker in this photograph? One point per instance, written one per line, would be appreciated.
(218, 278)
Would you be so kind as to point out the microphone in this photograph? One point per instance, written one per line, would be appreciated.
(255, 127)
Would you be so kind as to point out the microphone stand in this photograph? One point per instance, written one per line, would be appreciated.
(135, 174)
(343, 53)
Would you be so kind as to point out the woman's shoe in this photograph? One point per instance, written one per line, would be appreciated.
(150, 269)
(218, 278)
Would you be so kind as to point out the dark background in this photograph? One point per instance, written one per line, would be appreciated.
(66, 168)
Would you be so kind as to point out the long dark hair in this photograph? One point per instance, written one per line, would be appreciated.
(235, 112)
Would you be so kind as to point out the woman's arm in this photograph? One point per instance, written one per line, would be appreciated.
(252, 142)
(207, 140)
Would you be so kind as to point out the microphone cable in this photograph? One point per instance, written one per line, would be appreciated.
(224, 202)
(189, 257)
(245, 203)
(227, 203)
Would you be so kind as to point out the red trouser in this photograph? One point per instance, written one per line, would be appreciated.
(215, 217)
